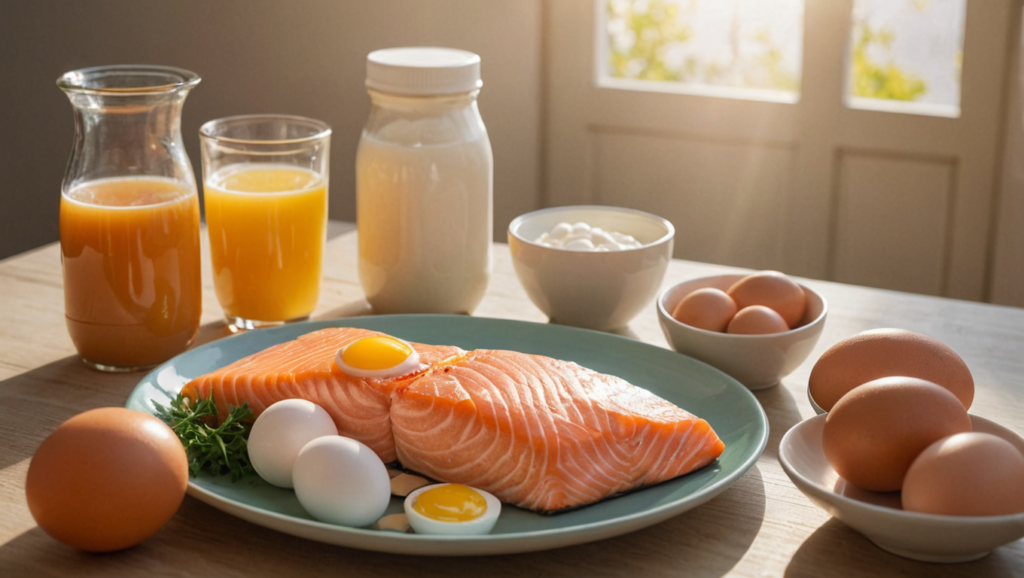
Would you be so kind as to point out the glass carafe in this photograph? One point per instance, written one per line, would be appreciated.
(129, 218)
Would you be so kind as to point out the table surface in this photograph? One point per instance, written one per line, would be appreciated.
(760, 526)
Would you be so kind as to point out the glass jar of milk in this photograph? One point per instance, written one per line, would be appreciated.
(424, 175)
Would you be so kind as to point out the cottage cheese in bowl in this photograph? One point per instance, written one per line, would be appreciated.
(581, 236)
(559, 259)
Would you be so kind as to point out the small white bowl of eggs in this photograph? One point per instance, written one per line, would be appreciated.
(899, 458)
(591, 266)
(880, 517)
(757, 328)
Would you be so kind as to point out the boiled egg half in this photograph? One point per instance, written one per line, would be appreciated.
(378, 356)
(452, 509)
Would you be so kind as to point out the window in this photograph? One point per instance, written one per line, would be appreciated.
(749, 49)
(905, 56)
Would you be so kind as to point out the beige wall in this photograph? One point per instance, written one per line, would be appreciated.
(1008, 260)
(301, 57)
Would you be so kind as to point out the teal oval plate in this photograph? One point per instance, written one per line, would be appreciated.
(729, 407)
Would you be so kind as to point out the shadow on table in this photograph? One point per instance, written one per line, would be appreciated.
(33, 553)
(35, 402)
(352, 309)
(836, 545)
(209, 332)
(782, 412)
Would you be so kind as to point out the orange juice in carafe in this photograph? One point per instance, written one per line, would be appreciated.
(130, 253)
(267, 225)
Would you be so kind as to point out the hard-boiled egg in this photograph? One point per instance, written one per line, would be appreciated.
(378, 356)
(452, 509)
(341, 481)
(280, 432)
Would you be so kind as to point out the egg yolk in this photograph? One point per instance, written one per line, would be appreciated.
(451, 503)
(372, 353)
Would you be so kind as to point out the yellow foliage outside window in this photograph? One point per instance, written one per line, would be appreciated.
(872, 79)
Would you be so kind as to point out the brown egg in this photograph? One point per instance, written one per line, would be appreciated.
(757, 320)
(873, 433)
(771, 289)
(884, 352)
(706, 308)
(107, 479)
(967, 474)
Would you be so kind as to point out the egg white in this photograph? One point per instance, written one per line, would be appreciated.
(481, 525)
(410, 365)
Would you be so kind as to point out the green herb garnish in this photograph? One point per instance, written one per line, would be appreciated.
(217, 450)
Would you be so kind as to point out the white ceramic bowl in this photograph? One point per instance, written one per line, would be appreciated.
(596, 290)
(756, 361)
(927, 537)
(814, 405)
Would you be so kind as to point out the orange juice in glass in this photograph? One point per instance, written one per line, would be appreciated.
(265, 188)
(129, 218)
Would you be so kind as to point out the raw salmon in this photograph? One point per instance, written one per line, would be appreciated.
(536, 432)
(543, 434)
(304, 368)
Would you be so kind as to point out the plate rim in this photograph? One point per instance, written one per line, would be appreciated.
(512, 542)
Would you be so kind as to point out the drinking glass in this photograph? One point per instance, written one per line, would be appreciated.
(265, 193)
(129, 218)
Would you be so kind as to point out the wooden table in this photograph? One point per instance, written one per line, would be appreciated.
(761, 526)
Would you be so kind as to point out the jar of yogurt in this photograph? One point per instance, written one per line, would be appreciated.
(424, 182)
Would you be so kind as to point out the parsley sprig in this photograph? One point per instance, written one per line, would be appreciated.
(217, 449)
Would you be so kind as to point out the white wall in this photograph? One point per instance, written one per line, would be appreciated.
(304, 57)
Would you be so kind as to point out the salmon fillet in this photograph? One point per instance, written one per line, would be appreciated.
(543, 434)
(304, 368)
(536, 432)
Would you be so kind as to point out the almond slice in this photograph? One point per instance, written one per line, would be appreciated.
(403, 484)
(393, 523)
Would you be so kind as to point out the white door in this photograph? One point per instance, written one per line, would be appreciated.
(808, 179)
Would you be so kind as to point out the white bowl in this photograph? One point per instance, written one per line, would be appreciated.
(596, 290)
(756, 361)
(814, 405)
(926, 537)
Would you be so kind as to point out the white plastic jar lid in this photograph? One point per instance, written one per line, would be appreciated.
(418, 71)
